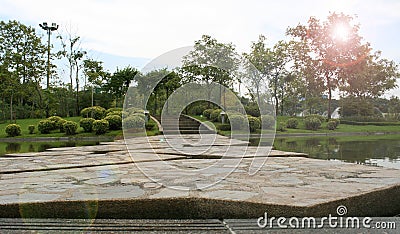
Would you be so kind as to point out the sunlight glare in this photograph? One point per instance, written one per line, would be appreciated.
(341, 32)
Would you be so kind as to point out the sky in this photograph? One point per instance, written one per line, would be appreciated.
(132, 32)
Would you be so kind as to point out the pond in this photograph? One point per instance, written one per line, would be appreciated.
(371, 150)
(24, 147)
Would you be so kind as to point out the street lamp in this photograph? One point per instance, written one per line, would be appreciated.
(49, 29)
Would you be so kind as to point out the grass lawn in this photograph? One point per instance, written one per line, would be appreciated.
(24, 123)
(301, 128)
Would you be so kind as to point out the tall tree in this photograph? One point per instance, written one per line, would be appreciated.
(119, 83)
(22, 61)
(332, 44)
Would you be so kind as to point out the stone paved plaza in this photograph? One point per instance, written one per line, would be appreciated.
(175, 178)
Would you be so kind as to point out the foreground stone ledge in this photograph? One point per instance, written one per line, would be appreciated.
(104, 181)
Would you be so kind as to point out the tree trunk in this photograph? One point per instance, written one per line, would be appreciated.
(329, 97)
(11, 107)
(77, 89)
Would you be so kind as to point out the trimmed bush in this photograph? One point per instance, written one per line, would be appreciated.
(70, 127)
(100, 126)
(237, 121)
(331, 125)
(13, 130)
(119, 113)
(312, 123)
(95, 112)
(207, 113)
(61, 124)
(215, 115)
(141, 115)
(45, 126)
(337, 122)
(268, 121)
(150, 126)
(87, 124)
(320, 117)
(134, 121)
(224, 127)
(115, 109)
(31, 129)
(57, 122)
(292, 123)
(254, 123)
(281, 127)
(133, 110)
(252, 110)
(114, 121)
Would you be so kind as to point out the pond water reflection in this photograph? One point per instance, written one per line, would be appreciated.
(24, 147)
(371, 150)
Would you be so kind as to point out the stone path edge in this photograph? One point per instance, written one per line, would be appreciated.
(369, 204)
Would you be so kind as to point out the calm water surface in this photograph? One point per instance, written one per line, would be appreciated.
(372, 150)
(24, 147)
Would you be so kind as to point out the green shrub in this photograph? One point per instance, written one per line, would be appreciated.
(268, 121)
(133, 110)
(13, 130)
(253, 110)
(312, 123)
(60, 124)
(95, 112)
(254, 123)
(237, 121)
(224, 127)
(320, 117)
(364, 118)
(57, 122)
(31, 129)
(331, 125)
(150, 126)
(281, 127)
(197, 110)
(134, 121)
(337, 122)
(115, 109)
(87, 124)
(119, 113)
(100, 126)
(215, 115)
(114, 121)
(141, 115)
(45, 126)
(370, 123)
(70, 127)
(292, 123)
(207, 113)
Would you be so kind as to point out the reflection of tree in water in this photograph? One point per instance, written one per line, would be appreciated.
(13, 147)
(31, 148)
(292, 145)
(43, 147)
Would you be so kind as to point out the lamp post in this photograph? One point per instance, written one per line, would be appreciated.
(49, 29)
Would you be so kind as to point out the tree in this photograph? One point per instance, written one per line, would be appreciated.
(332, 45)
(73, 53)
(119, 82)
(371, 77)
(211, 61)
(22, 63)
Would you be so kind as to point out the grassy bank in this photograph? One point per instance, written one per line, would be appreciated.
(323, 129)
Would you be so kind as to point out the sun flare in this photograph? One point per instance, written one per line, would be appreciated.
(341, 32)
